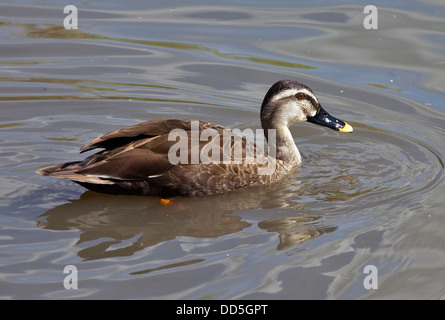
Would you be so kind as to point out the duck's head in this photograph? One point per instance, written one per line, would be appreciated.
(289, 101)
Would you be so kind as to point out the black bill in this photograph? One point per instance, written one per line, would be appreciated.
(325, 119)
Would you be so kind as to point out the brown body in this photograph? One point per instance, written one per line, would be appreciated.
(135, 160)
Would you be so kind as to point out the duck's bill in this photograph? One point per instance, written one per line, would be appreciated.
(323, 118)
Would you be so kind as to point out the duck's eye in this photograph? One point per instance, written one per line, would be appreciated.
(300, 95)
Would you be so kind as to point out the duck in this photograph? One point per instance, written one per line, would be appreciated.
(164, 157)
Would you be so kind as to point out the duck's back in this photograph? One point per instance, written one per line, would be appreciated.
(168, 157)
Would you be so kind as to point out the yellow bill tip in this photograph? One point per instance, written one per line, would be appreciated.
(346, 128)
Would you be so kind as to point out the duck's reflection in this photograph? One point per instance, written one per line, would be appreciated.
(113, 226)
(295, 230)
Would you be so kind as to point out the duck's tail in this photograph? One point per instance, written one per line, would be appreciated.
(69, 171)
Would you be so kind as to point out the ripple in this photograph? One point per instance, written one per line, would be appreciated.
(374, 165)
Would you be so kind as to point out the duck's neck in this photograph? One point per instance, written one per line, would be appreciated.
(285, 148)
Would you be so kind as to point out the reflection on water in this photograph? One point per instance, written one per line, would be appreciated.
(373, 197)
(294, 231)
(391, 166)
(114, 226)
(121, 226)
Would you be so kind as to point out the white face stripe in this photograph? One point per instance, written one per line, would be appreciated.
(292, 92)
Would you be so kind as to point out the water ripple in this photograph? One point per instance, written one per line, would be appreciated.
(374, 166)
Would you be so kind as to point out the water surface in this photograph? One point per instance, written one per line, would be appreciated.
(374, 197)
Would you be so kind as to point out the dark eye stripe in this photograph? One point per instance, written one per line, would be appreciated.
(311, 100)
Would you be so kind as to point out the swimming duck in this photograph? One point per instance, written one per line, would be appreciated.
(149, 159)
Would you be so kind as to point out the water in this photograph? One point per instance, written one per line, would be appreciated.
(373, 197)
